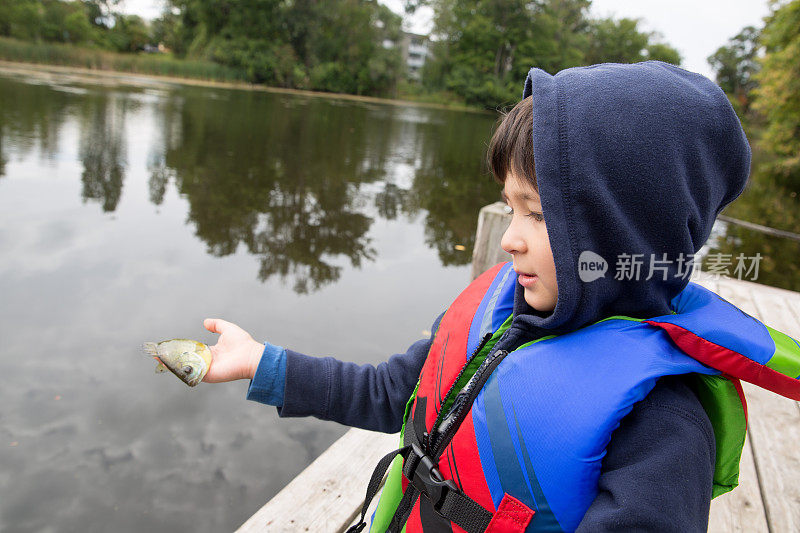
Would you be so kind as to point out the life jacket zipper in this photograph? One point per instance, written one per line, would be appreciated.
(486, 338)
(444, 429)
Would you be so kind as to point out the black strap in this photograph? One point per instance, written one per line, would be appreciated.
(375, 483)
(445, 496)
(468, 514)
(424, 477)
(403, 509)
(410, 495)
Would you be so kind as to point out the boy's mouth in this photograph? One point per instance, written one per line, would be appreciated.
(526, 280)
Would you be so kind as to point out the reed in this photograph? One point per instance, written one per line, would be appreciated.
(156, 64)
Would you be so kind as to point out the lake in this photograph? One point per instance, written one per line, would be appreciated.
(132, 209)
(130, 212)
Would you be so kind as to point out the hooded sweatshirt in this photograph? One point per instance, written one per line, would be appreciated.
(633, 163)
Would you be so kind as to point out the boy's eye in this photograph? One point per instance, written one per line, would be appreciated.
(535, 215)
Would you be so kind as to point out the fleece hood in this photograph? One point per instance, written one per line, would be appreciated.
(633, 163)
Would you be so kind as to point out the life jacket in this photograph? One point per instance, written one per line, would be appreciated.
(512, 439)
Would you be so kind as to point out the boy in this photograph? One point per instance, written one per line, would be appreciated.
(625, 162)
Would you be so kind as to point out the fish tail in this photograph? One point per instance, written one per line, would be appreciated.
(149, 348)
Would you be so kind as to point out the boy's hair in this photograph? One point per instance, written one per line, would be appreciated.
(511, 147)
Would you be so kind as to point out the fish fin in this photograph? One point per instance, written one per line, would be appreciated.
(160, 368)
(150, 348)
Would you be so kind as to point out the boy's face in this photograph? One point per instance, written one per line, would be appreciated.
(527, 241)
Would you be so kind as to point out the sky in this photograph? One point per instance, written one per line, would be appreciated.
(695, 27)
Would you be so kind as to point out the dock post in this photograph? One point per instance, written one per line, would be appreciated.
(492, 223)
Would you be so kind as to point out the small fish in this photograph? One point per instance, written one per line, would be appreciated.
(187, 359)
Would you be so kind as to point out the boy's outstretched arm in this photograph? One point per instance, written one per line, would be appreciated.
(658, 471)
(365, 396)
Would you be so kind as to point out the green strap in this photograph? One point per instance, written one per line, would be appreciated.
(724, 408)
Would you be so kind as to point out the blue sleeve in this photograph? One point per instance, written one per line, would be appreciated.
(658, 470)
(268, 382)
(364, 396)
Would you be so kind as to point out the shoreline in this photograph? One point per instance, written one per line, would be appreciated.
(137, 79)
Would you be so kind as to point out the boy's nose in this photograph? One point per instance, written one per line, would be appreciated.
(512, 241)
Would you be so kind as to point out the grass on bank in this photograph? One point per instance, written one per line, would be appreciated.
(155, 64)
(66, 55)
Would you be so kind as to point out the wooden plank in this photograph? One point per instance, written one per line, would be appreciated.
(794, 308)
(778, 422)
(776, 312)
(326, 496)
(761, 288)
(741, 509)
(773, 421)
(372, 506)
(701, 278)
(738, 293)
(774, 424)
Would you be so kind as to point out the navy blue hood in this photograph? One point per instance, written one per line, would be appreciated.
(629, 159)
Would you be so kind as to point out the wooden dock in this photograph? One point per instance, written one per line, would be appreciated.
(327, 496)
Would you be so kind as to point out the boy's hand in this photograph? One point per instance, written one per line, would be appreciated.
(235, 356)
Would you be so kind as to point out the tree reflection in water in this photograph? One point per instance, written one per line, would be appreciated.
(299, 180)
(103, 148)
(282, 181)
(31, 116)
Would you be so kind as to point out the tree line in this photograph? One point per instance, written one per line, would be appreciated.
(480, 50)
(90, 23)
(760, 71)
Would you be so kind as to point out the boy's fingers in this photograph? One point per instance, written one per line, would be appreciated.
(212, 325)
(216, 325)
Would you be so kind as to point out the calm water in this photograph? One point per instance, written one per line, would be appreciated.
(129, 213)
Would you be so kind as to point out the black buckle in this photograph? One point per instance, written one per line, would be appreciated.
(428, 480)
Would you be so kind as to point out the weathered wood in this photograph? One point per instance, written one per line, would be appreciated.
(372, 506)
(775, 423)
(742, 509)
(326, 495)
(492, 223)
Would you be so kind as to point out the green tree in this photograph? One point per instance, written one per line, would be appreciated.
(49, 20)
(616, 41)
(21, 19)
(736, 63)
(559, 37)
(129, 33)
(621, 41)
(77, 27)
(328, 46)
(778, 94)
(100, 12)
(664, 52)
(484, 48)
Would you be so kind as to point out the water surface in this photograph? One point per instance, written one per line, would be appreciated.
(130, 213)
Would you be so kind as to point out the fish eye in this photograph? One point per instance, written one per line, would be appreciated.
(187, 370)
